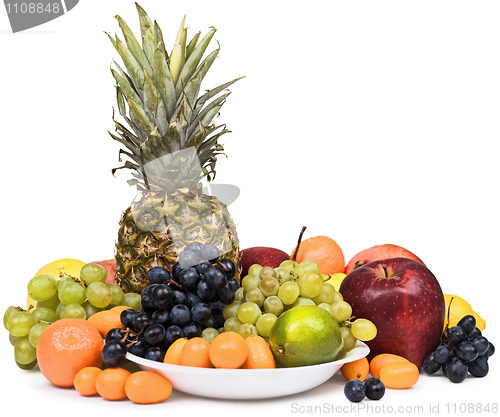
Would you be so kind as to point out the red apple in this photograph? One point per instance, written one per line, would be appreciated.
(261, 255)
(379, 252)
(403, 298)
(110, 266)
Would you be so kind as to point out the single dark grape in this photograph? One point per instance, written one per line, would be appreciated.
(173, 333)
(192, 300)
(176, 270)
(162, 296)
(466, 351)
(430, 365)
(194, 247)
(226, 294)
(491, 350)
(114, 353)
(200, 313)
(475, 333)
(115, 334)
(189, 278)
(203, 266)
(209, 253)
(140, 321)
(215, 278)
(154, 353)
(158, 275)
(127, 318)
(154, 334)
(179, 298)
(138, 348)
(455, 370)
(188, 259)
(147, 304)
(468, 324)
(229, 267)
(479, 367)
(355, 390)
(210, 323)
(442, 354)
(481, 344)
(234, 284)
(374, 388)
(191, 330)
(148, 290)
(180, 315)
(456, 335)
(204, 291)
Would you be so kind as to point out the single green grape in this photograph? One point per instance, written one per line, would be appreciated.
(306, 266)
(132, 300)
(20, 324)
(232, 324)
(310, 284)
(239, 294)
(248, 312)
(255, 295)
(265, 323)
(209, 334)
(303, 301)
(91, 273)
(116, 292)
(289, 265)
(250, 281)
(35, 333)
(230, 310)
(348, 338)
(326, 295)
(254, 269)
(24, 353)
(13, 339)
(338, 297)
(283, 275)
(90, 310)
(51, 303)
(64, 281)
(99, 294)
(326, 307)
(73, 311)
(268, 272)
(289, 292)
(60, 308)
(363, 329)
(28, 366)
(274, 305)
(246, 330)
(341, 311)
(42, 287)
(269, 286)
(45, 314)
(72, 293)
(9, 313)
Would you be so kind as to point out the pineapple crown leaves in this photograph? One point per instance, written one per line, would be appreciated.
(158, 96)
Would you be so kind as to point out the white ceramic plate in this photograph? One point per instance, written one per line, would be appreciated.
(244, 384)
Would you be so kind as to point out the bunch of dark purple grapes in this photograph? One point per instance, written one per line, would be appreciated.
(463, 350)
(174, 305)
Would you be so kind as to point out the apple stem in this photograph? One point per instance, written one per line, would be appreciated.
(298, 243)
(384, 266)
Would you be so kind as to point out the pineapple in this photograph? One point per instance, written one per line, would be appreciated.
(171, 145)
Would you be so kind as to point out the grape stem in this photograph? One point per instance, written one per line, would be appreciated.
(298, 243)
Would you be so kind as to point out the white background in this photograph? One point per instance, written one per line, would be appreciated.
(369, 122)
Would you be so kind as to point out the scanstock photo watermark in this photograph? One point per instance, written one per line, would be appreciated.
(25, 14)
(369, 408)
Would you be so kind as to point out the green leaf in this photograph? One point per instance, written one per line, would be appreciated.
(191, 45)
(125, 87)
(149, 41)
(159, 40)
(134, 69)
(153, 104)
(163, 81)
(133, 45)
(178, 55)
(139, 117)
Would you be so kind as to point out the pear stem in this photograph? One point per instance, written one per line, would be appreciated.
(298, 243)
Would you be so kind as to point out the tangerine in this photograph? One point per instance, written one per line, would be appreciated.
(195, 353)
(356, 370)
(259, 355)
(144, 387)
(66, 347)
(84, 381)
(228, 350)
(322, 250)
(107, 320)
(110, 383)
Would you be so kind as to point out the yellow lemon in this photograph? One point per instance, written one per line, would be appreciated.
(57, 270)
(458, 309)
(336, 280)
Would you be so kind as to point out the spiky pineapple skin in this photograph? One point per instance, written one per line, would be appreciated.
(157, 227)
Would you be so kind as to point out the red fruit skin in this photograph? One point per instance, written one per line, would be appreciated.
(376, 253)
(110, 266)
(261, 255)
(406, 305)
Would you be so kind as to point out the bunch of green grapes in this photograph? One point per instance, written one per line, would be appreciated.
(265, 293)
(67, 298)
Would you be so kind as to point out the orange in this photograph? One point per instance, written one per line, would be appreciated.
(107, 320)
(356, 370)
(66, 347)
(174, 352)
(195, 353)
(228, 350)
(84, 381)
(145, 387)
(324, 251)
(259, 355)
(399, 375)
(110, 383)
(379, 361)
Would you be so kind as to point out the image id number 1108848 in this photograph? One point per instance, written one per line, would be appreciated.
(32, 8)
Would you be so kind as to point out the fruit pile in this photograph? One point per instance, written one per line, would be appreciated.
(186, 303)
(68, 297)
(463, 350)
(267, 292)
